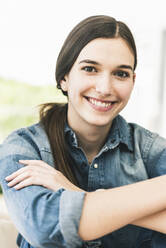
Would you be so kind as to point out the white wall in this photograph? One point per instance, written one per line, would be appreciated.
(32, 32)
(145, 106)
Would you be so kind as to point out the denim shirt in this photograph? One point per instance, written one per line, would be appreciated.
(48, 219)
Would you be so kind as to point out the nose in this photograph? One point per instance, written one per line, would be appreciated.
(104, 85)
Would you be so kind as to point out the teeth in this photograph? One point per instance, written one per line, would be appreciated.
(98, 103)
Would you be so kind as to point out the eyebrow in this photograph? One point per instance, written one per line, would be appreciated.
(125, 67)
(88, 61)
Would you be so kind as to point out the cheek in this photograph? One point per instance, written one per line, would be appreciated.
(78, 85)
(125, 91)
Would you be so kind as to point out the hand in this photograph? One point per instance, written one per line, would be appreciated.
(37, 172)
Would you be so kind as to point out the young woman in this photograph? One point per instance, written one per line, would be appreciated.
(83, 176)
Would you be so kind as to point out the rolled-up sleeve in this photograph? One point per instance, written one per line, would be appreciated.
(68, 212)
(43, 217)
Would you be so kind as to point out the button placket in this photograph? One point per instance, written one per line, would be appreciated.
(93, 177)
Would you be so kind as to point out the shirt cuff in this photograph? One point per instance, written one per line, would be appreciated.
(71, 204)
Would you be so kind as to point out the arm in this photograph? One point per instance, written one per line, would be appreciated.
(40, 215)
(142, 202)
(37, 212)
(53, 179)
(156, 167)
(111, 209)
(156, 222)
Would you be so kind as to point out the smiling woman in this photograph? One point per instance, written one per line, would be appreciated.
(83, 176)
(104, 70)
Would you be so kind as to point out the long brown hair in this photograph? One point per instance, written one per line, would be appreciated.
(53, 116)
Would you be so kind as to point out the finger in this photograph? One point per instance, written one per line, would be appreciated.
(15, 174)
(30, 168)
(24, 183)
(34, 162)
(39, 163)
(18, 179)
(29, 182)
(29, 162)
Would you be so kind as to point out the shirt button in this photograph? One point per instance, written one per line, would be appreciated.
(95, 166)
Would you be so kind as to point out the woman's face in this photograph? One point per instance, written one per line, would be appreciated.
(99, 83)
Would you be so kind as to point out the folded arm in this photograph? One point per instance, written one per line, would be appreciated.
(156, 222)
(145, 209)
(140, 204)
(39, 213)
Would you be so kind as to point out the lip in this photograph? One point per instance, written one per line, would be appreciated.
(100, 108)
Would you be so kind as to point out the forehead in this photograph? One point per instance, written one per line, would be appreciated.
(107, 50)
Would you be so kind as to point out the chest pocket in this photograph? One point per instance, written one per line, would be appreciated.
(133, 171)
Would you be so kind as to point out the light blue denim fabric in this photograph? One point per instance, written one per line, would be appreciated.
(48, 219)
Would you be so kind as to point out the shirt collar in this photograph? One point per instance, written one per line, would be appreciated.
(119, 133)
(70, 136)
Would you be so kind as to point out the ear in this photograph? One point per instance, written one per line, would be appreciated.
(64, 84)
(134, 77)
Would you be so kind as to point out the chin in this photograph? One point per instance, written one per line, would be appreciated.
(100, 123)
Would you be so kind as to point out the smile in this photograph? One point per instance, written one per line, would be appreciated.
(100, 105)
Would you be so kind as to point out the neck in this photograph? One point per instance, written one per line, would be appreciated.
(91, 139)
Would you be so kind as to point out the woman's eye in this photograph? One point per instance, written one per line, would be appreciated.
(122, 74)
(89, 69)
